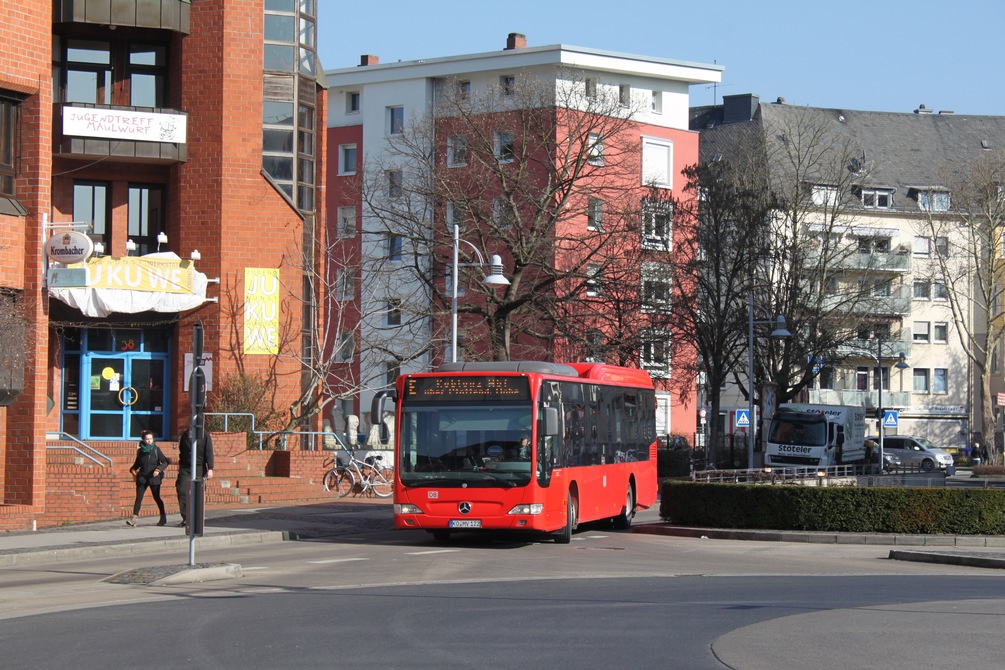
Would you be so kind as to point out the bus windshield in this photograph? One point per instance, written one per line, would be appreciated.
(808, 430)
(446, 445)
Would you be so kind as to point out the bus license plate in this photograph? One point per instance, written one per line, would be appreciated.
(465, 523)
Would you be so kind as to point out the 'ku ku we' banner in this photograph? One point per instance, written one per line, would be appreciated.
(261, 311)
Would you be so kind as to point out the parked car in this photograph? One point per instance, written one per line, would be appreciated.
(916, 452)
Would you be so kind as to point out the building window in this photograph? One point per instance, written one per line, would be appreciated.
(942, 247)
(463, 90)
(394, 243)
(347, 159)
(822, 195)
(877, 198)
(922, 290)
(940, 332)
(392, 369)
(933, 201)
(625, 95)
(345, 284)
(146, 217)
(88, 72)
(591, 88)
(346, 221)
(861, 378)
(656, 288)
(448, 279)
(921, 331)
(940, 380)
(507, 84)
(922, 246)
(352, 102)
(595, 149)
(595, 347)
(881, 373)
(457, 150)
(503, 216)
(921, 380)
(595, 214)
(147, 75)
(940, 292)
(392, 312)
(594, 281)
(873, 245)
(91, 203)
(827, 377)
(346, 347)
(505, 150)
(9, 113)
(457, 214)
(655, 353)
(657, 221)
(657, 106)
(657, 162)
(395, 183)
(395, 120)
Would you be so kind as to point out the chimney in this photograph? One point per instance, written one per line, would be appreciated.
(739, 108)
(365, 60)
(516, 41)
(922, 110)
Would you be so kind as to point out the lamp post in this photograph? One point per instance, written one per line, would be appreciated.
(779, 333)
(495, 278)
(901, 365)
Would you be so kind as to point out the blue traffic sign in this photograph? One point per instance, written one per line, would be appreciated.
(890, 418)
(743, 418)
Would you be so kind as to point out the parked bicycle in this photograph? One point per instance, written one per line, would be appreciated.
(360, 476)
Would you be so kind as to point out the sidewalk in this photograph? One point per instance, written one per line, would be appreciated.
(223, 527)
(236, 527)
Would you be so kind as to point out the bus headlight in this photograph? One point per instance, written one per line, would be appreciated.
(536, 508)
(407, 509)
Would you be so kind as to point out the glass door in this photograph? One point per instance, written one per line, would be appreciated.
(126, 394)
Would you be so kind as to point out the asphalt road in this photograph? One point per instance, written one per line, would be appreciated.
(384, 599)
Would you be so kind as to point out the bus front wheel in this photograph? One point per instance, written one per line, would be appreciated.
(564, 536)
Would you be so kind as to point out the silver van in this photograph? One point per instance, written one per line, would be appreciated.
(916, 452)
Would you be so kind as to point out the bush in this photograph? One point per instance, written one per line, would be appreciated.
(835, 508)
(989, 471)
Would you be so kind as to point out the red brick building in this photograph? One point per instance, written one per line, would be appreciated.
(174, 144)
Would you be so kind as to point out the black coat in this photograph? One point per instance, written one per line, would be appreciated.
(148, 461)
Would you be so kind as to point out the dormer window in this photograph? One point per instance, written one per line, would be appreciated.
(823, 195)
(933, 201)
(877, 198)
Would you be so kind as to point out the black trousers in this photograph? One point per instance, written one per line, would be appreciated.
(155, 491)
(182, 485)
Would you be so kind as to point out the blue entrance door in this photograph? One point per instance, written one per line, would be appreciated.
(126, 395)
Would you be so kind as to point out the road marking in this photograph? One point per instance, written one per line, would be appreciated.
(254, 567)
(434, 551)
(338, 560)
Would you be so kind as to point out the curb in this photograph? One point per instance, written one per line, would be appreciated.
(138, 547)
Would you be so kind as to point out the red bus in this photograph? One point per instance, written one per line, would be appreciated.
(522, 446)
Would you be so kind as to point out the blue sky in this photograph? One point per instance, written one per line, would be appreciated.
(884, 55)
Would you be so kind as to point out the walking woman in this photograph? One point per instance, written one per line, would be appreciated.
(148, 469)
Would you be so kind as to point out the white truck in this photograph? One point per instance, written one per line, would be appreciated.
(804, 435)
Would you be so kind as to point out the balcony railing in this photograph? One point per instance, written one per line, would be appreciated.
(856, 398)
(867, 348)
(896, 303)
(898, 261)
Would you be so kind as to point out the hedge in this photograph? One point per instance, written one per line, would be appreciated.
(837, 508)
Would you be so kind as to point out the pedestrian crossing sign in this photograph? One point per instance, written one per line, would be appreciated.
(743, 418)
(890, 418)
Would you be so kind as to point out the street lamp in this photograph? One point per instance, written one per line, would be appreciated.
(494, 278)
(901, 365)
(779, 333)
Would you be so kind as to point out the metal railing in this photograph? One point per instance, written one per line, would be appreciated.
(80, 447)
(308, 440)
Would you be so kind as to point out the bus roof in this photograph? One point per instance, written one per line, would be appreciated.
(592, 371)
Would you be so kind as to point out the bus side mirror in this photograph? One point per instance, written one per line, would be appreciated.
(550, 421)
(383, 401)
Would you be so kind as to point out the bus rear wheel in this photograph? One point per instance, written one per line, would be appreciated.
(624, 520)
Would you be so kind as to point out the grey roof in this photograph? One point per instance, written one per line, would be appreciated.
(904, 151)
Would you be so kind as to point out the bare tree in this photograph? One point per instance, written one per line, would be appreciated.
(967, 262)
(539, 172)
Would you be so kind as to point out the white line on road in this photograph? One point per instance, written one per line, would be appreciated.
(338, 560)
(434, 551)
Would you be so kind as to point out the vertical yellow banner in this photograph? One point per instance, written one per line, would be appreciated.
(261, 311)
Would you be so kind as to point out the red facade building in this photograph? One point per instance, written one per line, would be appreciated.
(175, 143)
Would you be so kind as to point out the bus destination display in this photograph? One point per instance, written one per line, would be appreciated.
(466, 389)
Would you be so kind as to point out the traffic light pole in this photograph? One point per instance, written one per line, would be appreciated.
(197, 396)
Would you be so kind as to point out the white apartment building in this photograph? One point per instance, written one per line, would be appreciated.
(374, 103)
